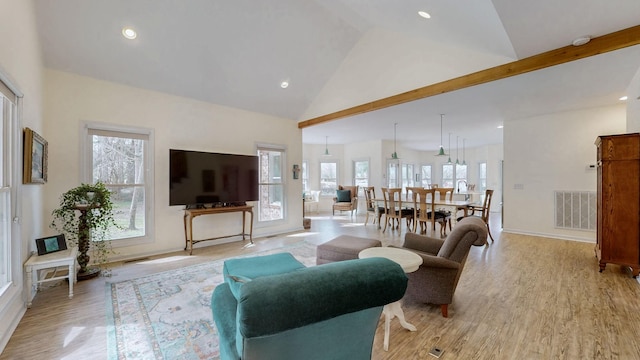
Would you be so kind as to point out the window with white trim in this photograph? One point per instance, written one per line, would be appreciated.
(305, 175)
(482, 176)
(361, 171)
(328, 178)
(119, 157)
(447, 175)
(407, 176)
(425, 173)
(461, 178)
(8, 177)
(271, 182)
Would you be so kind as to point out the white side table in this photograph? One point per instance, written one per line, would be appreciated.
(410, 262)
(53, 260)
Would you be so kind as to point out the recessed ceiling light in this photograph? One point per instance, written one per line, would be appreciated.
(623, 98)
(581, 40)
(500, 126)
(424, 14)
(284, 84)
(129, 33)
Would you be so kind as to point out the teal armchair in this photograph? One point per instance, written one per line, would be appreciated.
(328, 311)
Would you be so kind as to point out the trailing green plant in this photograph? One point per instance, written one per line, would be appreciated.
(85, 215)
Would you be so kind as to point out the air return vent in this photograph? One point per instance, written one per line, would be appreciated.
(575, 210)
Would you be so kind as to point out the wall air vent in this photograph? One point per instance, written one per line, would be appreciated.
(575, 210)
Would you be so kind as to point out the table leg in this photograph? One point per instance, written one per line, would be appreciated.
(29, 285)
(251, 226)
(390, 311)
(72, 278)
(244, 220)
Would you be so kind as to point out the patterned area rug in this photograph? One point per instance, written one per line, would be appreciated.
(168, 315)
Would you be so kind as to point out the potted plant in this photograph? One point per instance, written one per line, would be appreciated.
(85, 214)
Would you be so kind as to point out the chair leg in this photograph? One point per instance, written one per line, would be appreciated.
(444, 308)
(366, 218)
(489, 231)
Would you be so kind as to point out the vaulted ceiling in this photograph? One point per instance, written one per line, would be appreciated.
(337, 54)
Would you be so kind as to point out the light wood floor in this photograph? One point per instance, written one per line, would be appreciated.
(523, 297)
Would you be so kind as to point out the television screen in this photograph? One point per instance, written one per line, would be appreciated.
(211, 178)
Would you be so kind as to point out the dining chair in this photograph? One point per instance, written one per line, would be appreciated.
(426, 213)
(443, 213)
(483, 211)
(372, 206)
(423, 208)
(393, 208)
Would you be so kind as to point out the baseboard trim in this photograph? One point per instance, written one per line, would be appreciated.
(551, 236)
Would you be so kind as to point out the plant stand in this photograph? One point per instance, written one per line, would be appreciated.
(84, 245)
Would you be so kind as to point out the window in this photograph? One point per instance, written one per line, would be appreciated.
(328, 178)
(361, 171)
(425, 173)
(8, 192)
(393, 180)
(305, 176)
(119, 157)
(461, 178)
(482, 177)
(407, 175)
(271, 162)
(447, 175)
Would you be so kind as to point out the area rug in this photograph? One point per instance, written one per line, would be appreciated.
(168, 315)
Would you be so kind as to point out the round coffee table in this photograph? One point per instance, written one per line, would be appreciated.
(410, 262)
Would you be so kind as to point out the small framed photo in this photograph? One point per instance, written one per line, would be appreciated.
(34, 158)
(51, 244)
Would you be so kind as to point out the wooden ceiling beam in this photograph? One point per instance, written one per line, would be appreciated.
(599, 45)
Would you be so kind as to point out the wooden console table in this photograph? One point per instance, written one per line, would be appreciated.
(189, 214)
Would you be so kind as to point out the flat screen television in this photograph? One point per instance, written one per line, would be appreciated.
(198, 178)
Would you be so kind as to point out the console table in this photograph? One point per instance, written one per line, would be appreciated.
(189, 214)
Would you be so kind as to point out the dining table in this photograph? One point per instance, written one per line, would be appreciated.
(408, 201)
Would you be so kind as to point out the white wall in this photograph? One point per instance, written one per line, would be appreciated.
(178, 123)
(374, 70)
(20, 62)
(633, 104)
(548, 153)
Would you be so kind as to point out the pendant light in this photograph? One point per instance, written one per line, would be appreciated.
(449, 161)
(326, 146)
(441, 150)
(395, 154)
(464, 162)
(457, 161)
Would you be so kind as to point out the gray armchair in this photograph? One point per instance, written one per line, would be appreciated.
(443, 261)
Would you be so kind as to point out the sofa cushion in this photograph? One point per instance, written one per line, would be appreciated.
(343, 195)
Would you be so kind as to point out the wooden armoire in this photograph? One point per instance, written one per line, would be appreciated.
(618, 232)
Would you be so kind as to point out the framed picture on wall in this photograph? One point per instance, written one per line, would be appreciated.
(34, 158)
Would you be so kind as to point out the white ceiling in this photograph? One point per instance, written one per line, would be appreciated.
(341, 53)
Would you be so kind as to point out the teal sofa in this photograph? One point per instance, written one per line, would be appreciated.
(273, 307)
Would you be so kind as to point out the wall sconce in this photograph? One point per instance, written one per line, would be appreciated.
(296, 171)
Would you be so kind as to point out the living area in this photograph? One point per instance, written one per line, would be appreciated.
(521, 296)
(535, 291)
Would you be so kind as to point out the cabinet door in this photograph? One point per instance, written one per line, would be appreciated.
(620, 230)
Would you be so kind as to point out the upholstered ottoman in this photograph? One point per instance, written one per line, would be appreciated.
(344, 247)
